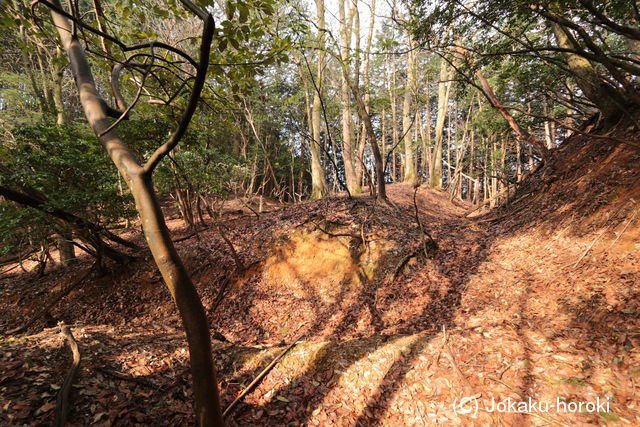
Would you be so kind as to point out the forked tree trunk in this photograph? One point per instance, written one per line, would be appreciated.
(138, 178)
(365, 118)
(360, 160)
(391, 84)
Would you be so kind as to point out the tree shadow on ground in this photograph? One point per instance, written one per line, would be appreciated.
(459, 256)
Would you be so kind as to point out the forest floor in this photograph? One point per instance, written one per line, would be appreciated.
(535, 300)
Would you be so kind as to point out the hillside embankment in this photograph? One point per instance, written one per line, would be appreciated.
(536, 299)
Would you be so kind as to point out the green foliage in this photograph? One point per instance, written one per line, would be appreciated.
(209, 171)
(18, 105)
(19, 226)
(71, 170)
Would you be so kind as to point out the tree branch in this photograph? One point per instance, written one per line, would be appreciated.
(198, 84)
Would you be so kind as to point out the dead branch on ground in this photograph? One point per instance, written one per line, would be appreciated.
(258, 378)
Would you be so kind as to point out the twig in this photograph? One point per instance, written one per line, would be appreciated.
(586, 251)
(513, 389)
(611, 215)
(449, 354)
(328, 233)
(220, 295)
(415, 207)
(190, 235)
(501, 373)
(236, 258)
(245, 204)
(624, 229)
(444, 342)
(9, 269)
(62, 400)
(257, 379)
(430, 239)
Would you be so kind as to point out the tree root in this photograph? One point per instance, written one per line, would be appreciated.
(62, 400)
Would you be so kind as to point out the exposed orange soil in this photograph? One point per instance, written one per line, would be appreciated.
(537, 299)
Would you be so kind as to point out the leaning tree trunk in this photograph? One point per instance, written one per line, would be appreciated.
(89, 233)
(360, 160)
(524, 136)
(138, 178)
(371, 136)
(605, 97)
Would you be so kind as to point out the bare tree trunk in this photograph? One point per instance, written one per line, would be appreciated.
(606, 98)
(346, 22)
(503, 164)
(518, 161)
(407, 118)
(515, 126)
(381, 193)
(549, 128)
(66, 250)
(391, 82)
(318, 179)
(28, 66)
(450, 131)
(138, 178)
(367, 98)
(472, 184)
(426, 134)
(444, 89)
(383, 132)
(57, 74)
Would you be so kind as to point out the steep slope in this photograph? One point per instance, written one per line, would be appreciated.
(537, 299)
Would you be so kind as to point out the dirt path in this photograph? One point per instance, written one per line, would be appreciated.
(494, 313)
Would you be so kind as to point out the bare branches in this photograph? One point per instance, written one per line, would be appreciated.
(604, 20)
(105, 36)
(125, 113)
(326, 120)
(259, 377)
(174, 273)
(205, 48)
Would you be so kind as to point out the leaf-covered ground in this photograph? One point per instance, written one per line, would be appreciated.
(535, 300)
